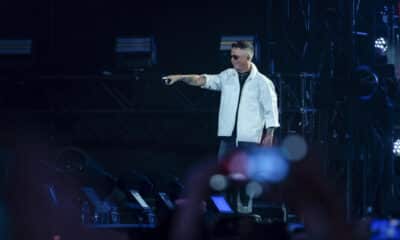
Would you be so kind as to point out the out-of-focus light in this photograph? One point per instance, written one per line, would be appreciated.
(394, 222)
(380, 44)
(396, 148)
(267, 165)
(391, 233)
(294, 147)
(254, 189)
(384, 229)
(218, 182)
(238, 165)
(238, 176)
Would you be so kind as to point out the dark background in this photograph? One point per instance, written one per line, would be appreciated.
(55, 98)
(156, 123)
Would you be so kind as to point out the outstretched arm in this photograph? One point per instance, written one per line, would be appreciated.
(192, 79)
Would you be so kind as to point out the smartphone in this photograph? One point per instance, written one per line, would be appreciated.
(221, 204)
(385, 229)
(135, 194)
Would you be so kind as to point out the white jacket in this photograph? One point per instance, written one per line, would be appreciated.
(258, 106)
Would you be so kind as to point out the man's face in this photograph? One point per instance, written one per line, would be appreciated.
(240, 59)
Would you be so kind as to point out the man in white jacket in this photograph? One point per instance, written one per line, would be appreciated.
(249, 103)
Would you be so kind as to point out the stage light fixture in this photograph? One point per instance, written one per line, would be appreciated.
(381, 44)
(12, 47)
(367, 81)
(133, 53)
(396, 148)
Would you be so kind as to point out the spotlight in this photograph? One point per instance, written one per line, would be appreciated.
(381, 45)
(396, 148)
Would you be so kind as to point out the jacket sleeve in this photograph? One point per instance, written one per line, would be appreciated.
(214, 81)
(269, 102)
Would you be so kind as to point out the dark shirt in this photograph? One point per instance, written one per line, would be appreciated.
(242, 79)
